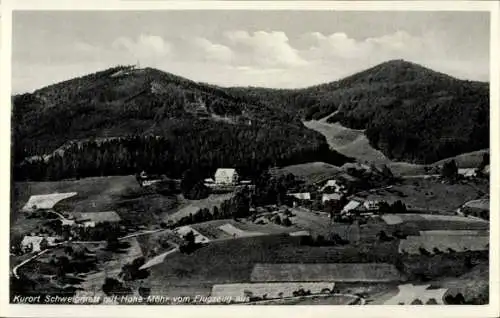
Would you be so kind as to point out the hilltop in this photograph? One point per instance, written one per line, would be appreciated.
(146, 118)
(124, 119)
(400, 106)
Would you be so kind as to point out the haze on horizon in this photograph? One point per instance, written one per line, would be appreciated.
(281, 49)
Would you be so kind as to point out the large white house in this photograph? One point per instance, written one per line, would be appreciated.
(226, 176)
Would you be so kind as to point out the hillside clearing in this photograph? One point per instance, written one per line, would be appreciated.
(236, 232)
(353, 143)
(188, 207)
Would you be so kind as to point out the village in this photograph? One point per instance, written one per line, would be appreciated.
(334, 212)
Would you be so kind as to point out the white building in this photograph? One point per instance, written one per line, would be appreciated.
(330, 197)
(467, 172)
(335, 185)
(226, 176)
(371, 205)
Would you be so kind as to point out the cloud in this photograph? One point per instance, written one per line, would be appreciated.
(264, 49)
(145, 46)
(212, 51)
(241, 58)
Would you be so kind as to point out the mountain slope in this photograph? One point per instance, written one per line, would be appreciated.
(123, 119)
(409, 112)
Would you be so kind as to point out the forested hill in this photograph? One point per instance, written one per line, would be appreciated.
(410, 113)
(124, 119)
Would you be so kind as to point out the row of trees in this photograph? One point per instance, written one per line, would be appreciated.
(193, 145)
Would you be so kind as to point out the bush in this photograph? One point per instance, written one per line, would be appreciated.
(113, 286)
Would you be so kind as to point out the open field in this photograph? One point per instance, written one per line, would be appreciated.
(430, 222)
(340, 272)
(232, 261)
(355, 144)
(118, 193)
(270, 290)
(213, 230)
(466, 160)
(311, 172)
(187, 207)
(482, 204)
(430, 194)
(412, 244)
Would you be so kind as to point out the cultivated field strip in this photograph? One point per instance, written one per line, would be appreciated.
(46, 201)
(455, 232)
(270, 290)
(335, 272)
(443, 243)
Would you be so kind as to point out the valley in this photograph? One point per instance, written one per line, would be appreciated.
(135, 182)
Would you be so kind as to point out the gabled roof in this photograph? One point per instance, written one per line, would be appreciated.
(225, 172)
(331, 196)
(351, 205)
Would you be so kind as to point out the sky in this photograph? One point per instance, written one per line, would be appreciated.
(287, 49)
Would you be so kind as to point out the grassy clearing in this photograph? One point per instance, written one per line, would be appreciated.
(466, 160)
(431, 194)
(311, 172)
(355, 144)
(212, 229)
(117, 193)
(187, 207)
(431, 222)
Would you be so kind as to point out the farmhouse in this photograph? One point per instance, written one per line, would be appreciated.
(36, 243)
(226, 176)
(330, 197)
(468, 172)
(91, 219)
